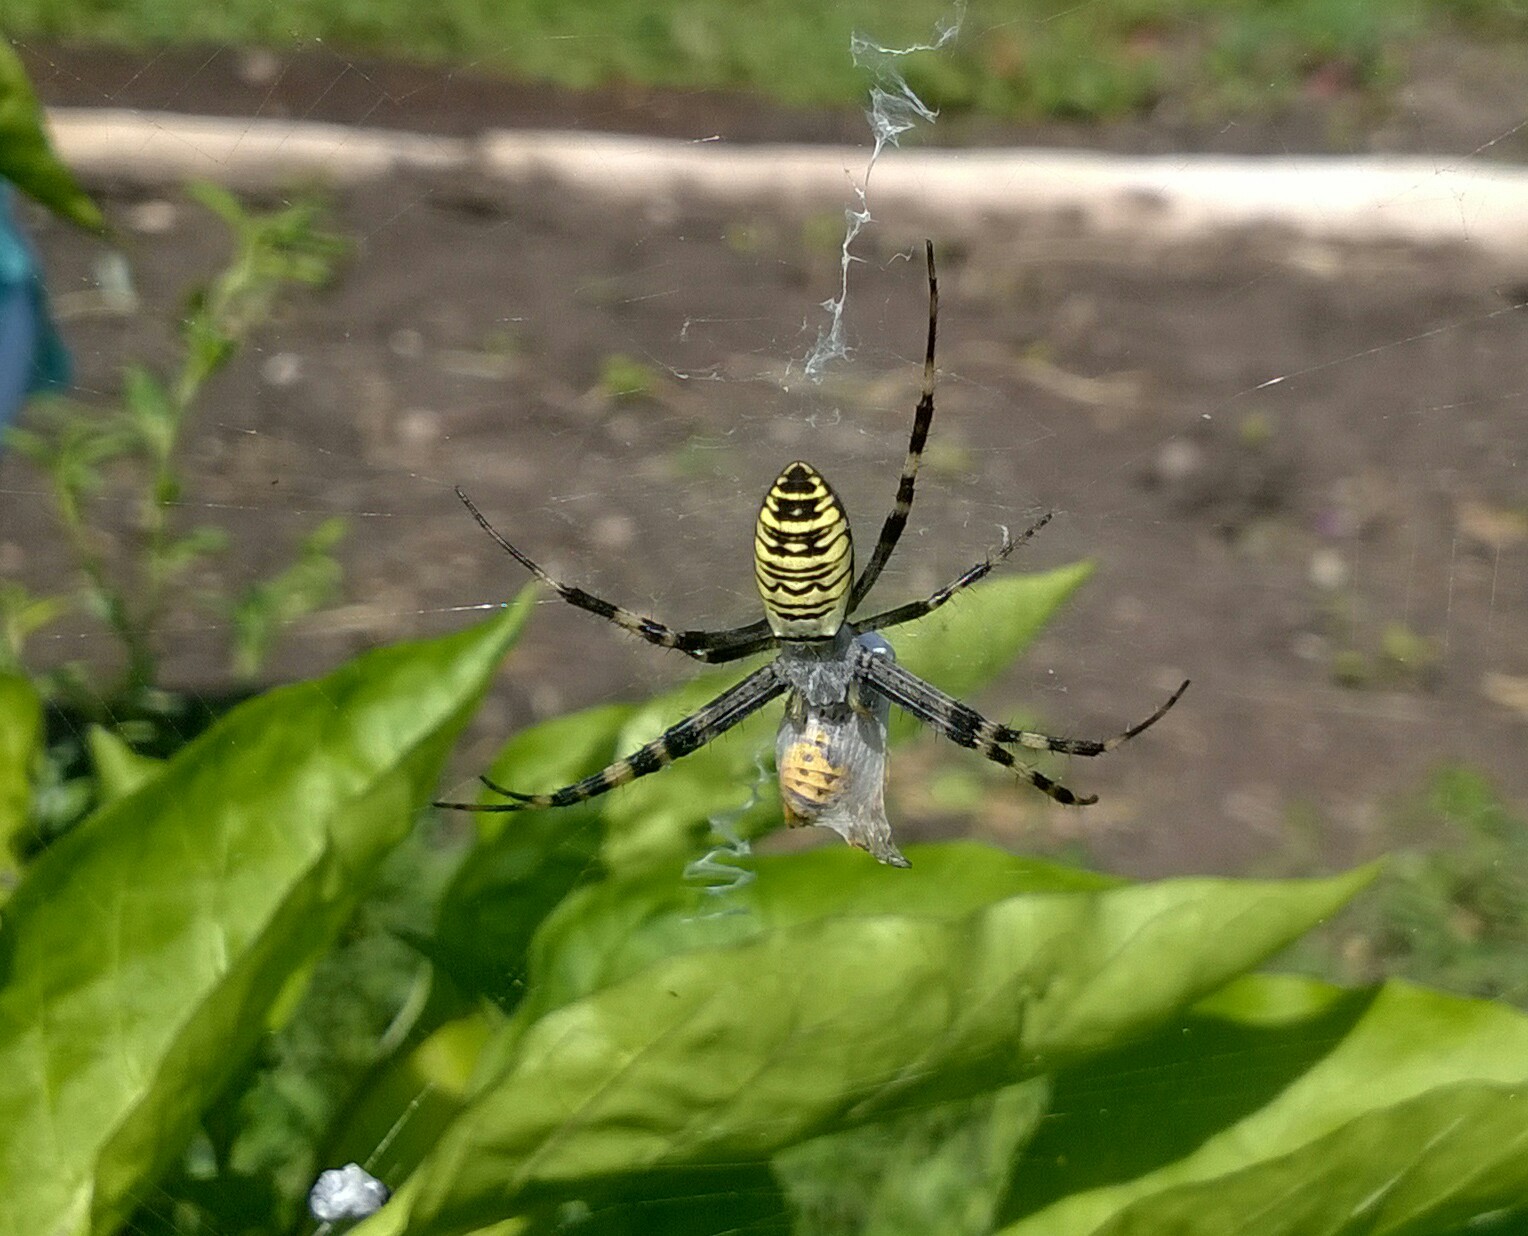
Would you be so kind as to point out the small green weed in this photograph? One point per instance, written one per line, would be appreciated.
(1452, 907)
(128, 455)
(625, 379)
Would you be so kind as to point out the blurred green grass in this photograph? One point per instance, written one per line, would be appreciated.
(1016, 59)
(1451, 909)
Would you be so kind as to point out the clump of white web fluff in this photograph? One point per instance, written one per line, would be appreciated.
(894, 109)
(346, 1195)
(720, 870)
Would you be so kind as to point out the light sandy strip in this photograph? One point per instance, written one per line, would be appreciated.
(1155, 200)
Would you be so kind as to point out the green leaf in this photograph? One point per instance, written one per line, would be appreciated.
(182, 553)
(1318, 1110)
(150, 410)
(26, 157)
(261, 615)
(965, 645)
(608, 931)
(21, 614)
(524, 865)
(732, 1054)
(225, 205)
(147, 952)
(20, 742)
(941, 1170)
(119, 769)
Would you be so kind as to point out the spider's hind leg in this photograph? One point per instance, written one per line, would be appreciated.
(1087, 746)
(1036, 778)
(966, 727)
(716, 718)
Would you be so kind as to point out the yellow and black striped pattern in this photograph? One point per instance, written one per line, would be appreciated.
(803, 556)
(810, 779)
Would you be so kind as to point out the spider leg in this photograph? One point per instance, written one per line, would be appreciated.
(959, 723)
(918, 609)
(714, 647)
(716, 718)
(1087, 746)
(966, 727)
(923, 418)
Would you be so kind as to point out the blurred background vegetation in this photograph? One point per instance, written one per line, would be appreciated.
(1021, 59)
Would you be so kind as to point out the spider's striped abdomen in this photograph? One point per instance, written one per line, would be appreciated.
(803, 555)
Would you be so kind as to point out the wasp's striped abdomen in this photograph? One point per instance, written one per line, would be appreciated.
(810, 780)
(803, 555)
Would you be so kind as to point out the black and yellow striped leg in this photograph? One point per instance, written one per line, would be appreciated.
(923, 419)
(966, 727)
(1087, 746)
(713, 647)
(961, 724)
(917, 609)
(716, 718)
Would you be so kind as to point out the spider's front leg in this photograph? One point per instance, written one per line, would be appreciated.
(913, 610)
(923, 420)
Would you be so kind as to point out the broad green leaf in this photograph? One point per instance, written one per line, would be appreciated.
(119, 769)
(147, 952)
(26, 157)
(963, 646)
(731, 1054)
(608, 931)
(1316, 1110)
(942, 1170)
(20, 739)
(524, 863)
(522, 866)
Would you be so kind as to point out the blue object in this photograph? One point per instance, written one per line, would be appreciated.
(32, 357)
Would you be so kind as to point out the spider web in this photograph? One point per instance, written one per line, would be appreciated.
(1281, 450)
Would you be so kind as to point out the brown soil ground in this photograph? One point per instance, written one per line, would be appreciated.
(1265, 540)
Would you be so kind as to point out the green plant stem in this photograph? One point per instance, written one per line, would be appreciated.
(156, 508)
(141, 662)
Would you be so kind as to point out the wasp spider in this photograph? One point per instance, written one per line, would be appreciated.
(838, 676)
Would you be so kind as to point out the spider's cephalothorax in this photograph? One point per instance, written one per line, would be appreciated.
(803, 556)
(839, 677)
